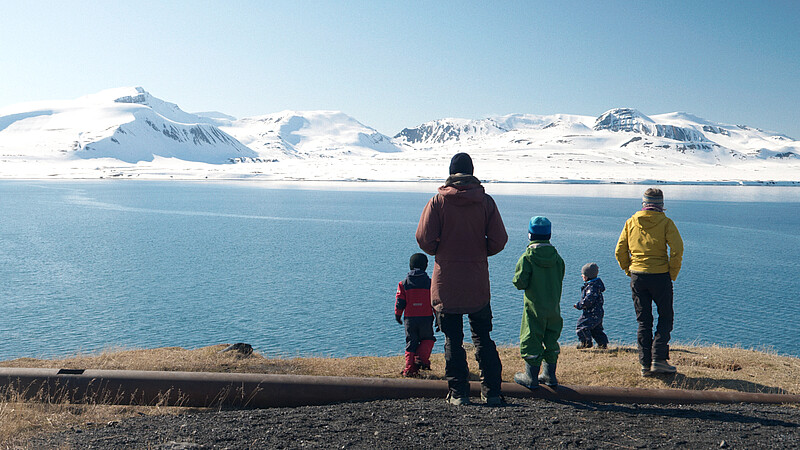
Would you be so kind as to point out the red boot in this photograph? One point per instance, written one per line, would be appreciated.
(411, 369)
(424, 354)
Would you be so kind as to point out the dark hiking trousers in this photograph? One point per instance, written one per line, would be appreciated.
(418, 329)
(586, 332)
(456, 370)
(649, 288)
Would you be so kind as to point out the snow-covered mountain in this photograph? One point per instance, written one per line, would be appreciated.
(680, 131)
(752, 142)
(127, 124)
(616, 129)
(128, 132)
(131, 125)
(305, 134)
(621, 144)
(631, 120)
(444, 131)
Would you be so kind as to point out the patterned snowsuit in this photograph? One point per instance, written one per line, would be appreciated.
(590, 324)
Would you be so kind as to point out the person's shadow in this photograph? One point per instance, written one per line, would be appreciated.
(681, 381)
(699, 413)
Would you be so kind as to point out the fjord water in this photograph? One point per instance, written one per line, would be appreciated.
(92, 265)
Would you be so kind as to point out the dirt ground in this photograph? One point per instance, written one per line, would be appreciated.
(431, 423)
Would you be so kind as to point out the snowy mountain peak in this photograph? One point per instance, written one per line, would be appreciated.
(127, 124)
(466, 130)
(130, 94)
(309, 133)
(140, 96)
(443, 130)
(632, 121)
(624, 119)
(537, 122)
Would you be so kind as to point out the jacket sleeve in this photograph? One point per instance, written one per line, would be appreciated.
(400, 300)
(429, 229)
(496, 235)
(622, 252)
(675, 250)
(580, 304)
(522, 274)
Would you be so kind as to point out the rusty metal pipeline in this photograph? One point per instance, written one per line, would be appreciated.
(205, 389)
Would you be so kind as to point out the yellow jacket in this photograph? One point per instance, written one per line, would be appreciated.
(642, 245)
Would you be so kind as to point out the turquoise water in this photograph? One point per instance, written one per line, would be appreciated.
(91, 265)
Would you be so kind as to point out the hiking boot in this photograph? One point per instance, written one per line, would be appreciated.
(602, 346)
(662, 366)
(548, 376)
(457, 400)
(584, 345)
(646, 371)
(493, 401)
(421, 365)
(529, 378)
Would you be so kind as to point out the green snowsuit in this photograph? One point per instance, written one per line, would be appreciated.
(540, 272)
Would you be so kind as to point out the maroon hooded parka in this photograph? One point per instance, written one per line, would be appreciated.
(462, 227)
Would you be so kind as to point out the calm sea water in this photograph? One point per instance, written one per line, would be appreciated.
(86, 266)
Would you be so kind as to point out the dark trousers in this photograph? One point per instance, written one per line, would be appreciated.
(592, 329)
(456, 370)
(418, 329)
(649, 288)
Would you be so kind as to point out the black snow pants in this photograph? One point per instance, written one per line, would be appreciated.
(649, 288)
(455, 369)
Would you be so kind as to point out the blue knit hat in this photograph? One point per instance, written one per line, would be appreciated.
(539, 229)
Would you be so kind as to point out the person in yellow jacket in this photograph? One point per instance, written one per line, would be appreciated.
(642, 253)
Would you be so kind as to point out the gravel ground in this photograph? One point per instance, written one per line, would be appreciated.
(431, 423)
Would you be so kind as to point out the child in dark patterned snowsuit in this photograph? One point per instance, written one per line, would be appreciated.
(414, 300)
(590, 324)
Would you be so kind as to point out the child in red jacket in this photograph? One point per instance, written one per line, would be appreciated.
(414, 299)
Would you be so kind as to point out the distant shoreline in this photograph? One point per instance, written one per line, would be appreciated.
(348, 180)
(725, 191)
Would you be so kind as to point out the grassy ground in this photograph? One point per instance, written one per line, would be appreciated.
(700, 368)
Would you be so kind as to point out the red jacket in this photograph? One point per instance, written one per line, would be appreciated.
(414, 295)
(462, 227)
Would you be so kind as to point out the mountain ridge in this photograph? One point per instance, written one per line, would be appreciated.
(132, 126)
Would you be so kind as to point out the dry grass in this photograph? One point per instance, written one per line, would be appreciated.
(700, 368)
(19, 419)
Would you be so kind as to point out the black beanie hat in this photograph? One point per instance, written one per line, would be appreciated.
(461, 163)
(418, 261)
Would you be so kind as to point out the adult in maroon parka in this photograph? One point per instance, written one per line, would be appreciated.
(462, 227)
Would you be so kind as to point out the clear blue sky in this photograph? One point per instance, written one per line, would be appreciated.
(396, 64)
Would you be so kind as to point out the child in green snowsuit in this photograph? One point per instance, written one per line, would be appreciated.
(540, 273)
